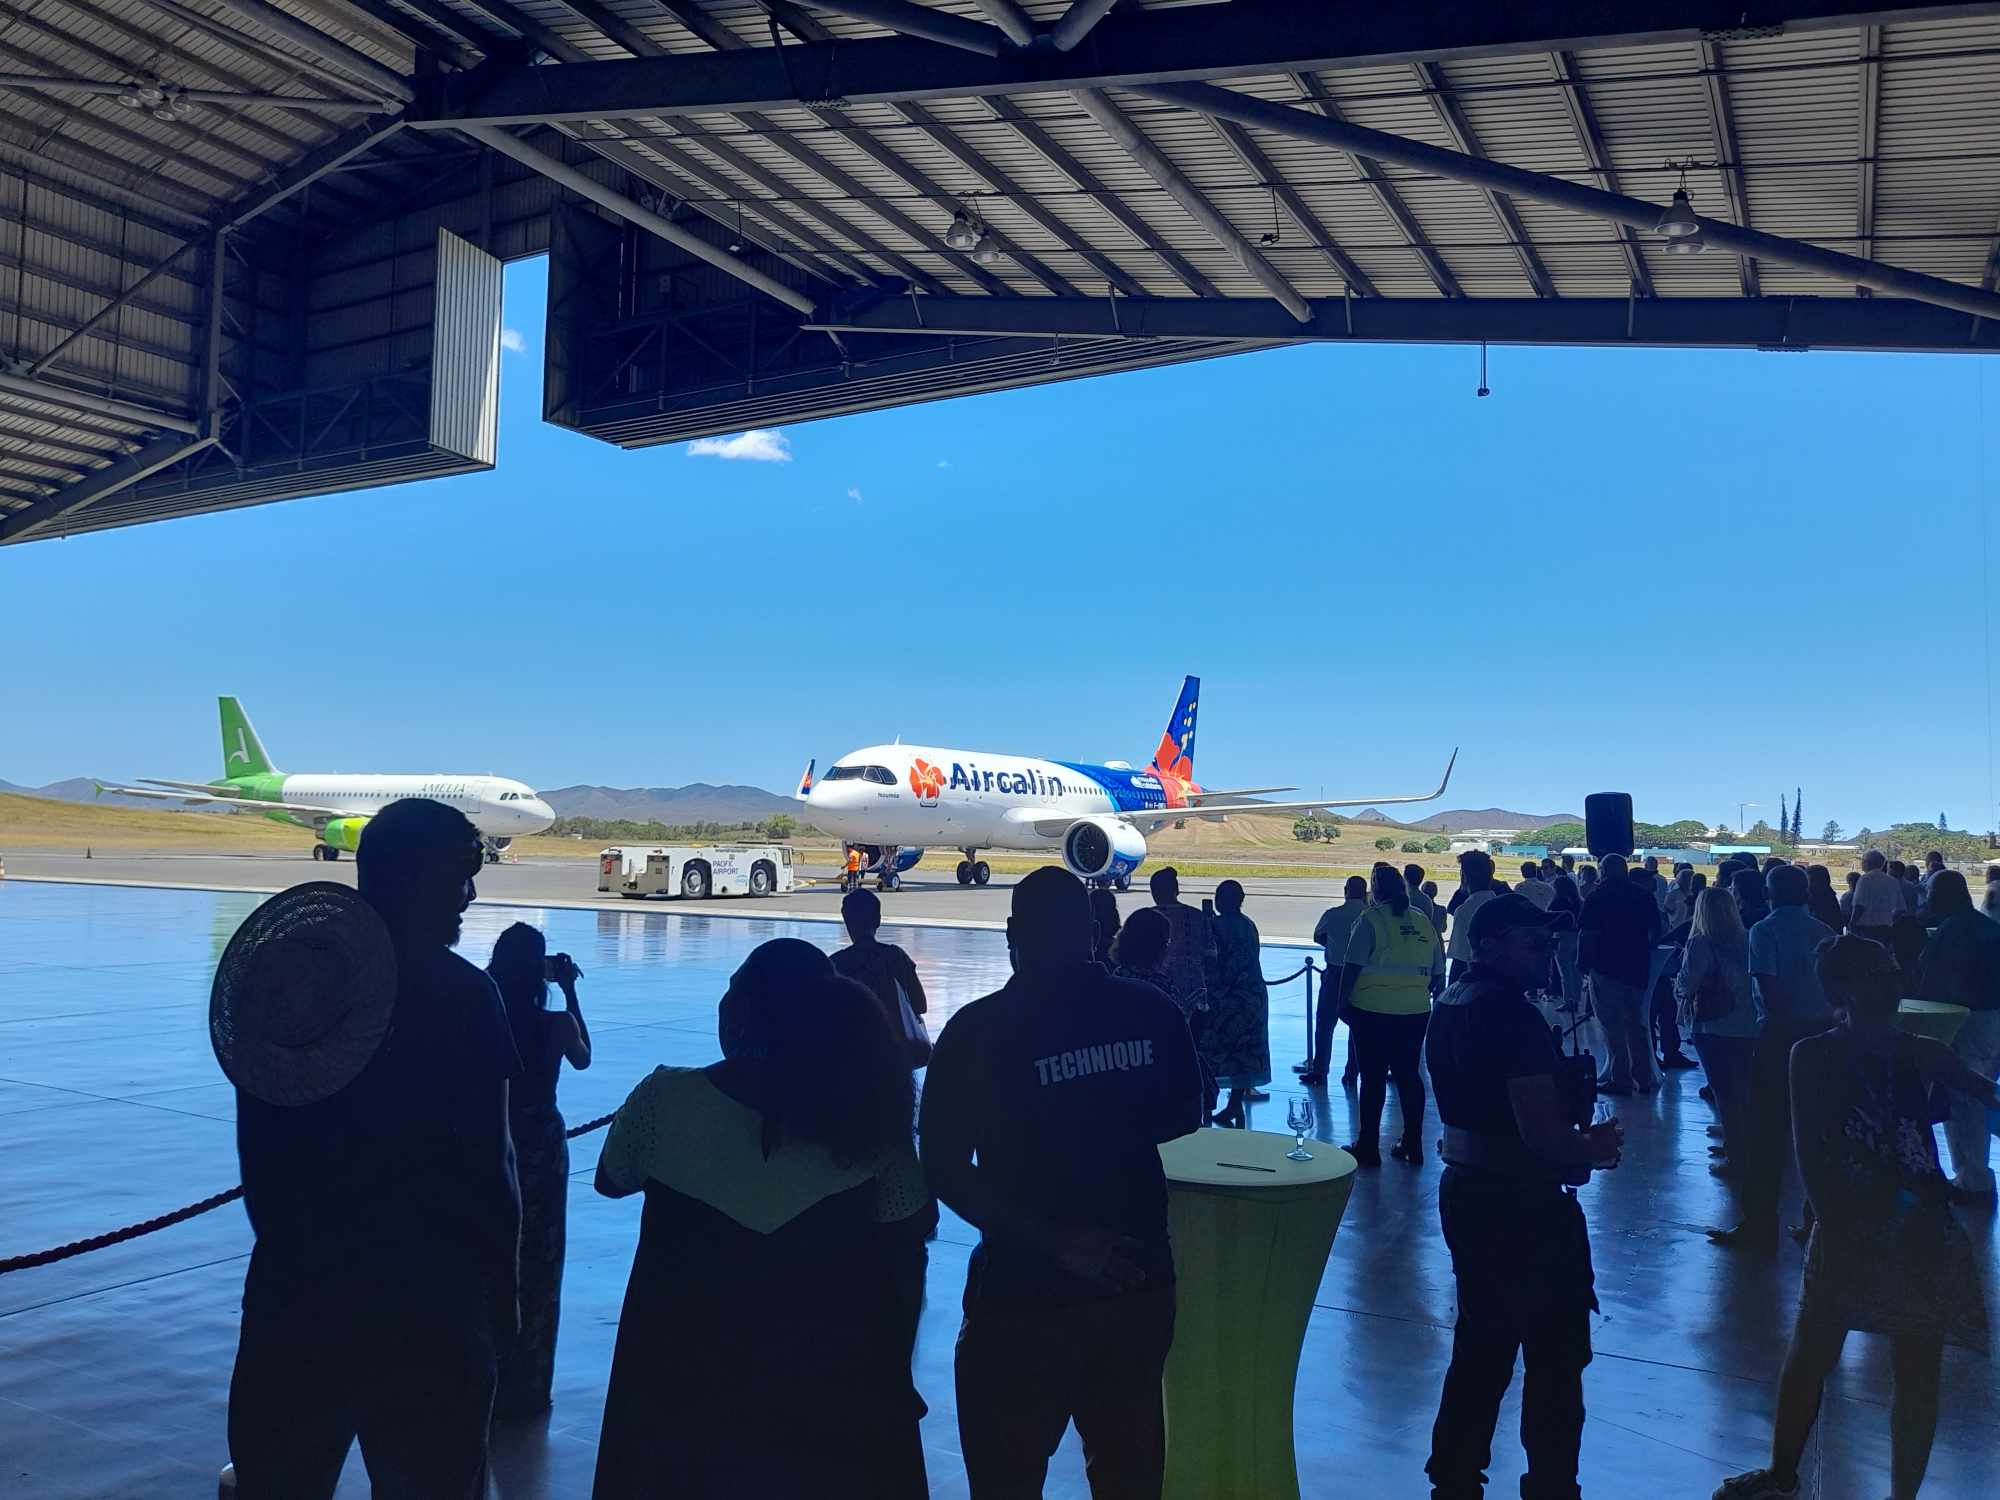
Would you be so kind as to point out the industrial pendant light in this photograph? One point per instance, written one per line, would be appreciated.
(1679, 222)
(965, 232)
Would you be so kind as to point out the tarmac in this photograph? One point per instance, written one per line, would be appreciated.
(1285, 910)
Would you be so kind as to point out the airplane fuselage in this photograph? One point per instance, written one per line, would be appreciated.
(924, 795)
(499, 807)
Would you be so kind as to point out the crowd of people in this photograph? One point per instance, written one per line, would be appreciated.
(406, 1274)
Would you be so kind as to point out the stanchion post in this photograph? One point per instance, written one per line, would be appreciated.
(1312, 1036)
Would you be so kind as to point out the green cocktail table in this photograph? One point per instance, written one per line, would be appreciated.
(1251, 1231)
(1931, 1018)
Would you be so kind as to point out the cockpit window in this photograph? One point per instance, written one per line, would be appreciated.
(880, 775)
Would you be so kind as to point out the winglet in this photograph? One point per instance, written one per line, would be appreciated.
(806, 782)
(1447, 774)
(96, 787)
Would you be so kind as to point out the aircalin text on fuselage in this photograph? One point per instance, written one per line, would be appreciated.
(894, 801)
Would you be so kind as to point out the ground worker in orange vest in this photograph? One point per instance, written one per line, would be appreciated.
(853, 880)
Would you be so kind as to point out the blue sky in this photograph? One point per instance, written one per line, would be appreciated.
(1701, 577)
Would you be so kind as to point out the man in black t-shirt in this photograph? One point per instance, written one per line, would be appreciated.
(387, 1216)
(1043, 1112)
(1519, 1249)
(884, 968)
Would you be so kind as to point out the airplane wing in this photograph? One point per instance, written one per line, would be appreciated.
(188, 796)
(1207, 794)
(1159, 817)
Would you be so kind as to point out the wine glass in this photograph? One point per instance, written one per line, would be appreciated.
(1299, 1115)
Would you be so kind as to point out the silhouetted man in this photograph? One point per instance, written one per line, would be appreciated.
(1335, 926)
(1620, 924)
(883, 967)
(387, 1216)
(1519, 1249)
(1043, 1112)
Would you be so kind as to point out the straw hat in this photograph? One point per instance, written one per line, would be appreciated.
(303, 995)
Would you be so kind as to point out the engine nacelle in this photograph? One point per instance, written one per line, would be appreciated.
(343, 833)
(871, 858)
(1102, 848)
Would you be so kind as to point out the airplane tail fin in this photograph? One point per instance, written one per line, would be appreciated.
(242, 752)
(806, 782)
(1175, 757)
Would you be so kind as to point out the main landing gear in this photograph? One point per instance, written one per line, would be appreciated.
(325, 851)
(973, 870)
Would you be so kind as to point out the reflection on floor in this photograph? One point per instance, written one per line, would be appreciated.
(114, 1366)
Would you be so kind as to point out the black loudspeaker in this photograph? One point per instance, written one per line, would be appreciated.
(1607, 822)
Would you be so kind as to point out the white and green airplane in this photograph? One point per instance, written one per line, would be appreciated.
(337, 807)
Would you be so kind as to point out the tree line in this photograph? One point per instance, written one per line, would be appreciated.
(630, 831)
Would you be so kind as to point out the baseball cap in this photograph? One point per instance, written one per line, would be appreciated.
(1498, 917)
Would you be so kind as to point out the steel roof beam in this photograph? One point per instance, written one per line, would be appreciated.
(22, 525)
(1576, 196)
(71, 399)
(1246, 38)
(1063, 161)
(1776, 323)
(324, 48)
(1077, 22)
(976, 162)
(1259, 165)
(20, 413)
(256, 48)
(1870, 84)
(1010, 18)
(109, 171)
(1722, 123)
(585, 186)
(939, 26)
(110, 308)
(1590, 137)
(423, 33)
(1392, 203)
(1112, 121)
(1430, 77)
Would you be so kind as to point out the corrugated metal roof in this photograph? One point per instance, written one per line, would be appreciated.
(1877, 138)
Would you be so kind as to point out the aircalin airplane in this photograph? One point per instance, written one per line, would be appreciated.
(894, 801)
(337, 807)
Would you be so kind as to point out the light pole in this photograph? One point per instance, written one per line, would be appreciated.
(1741, 827)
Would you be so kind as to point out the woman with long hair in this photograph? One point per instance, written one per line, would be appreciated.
(1886, 1256)
(1712, 992)
(523, 970)
(1394, 965)
(764, 1346)
(1238, 1039)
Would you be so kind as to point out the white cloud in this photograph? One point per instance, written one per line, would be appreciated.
(944, 463)
(512, 342)
(854, 493)
(764, 445)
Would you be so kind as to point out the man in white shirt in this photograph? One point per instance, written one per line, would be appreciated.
(1336, 925)
(1878, 899)
(1475, 889)
(1657, 881)
(1532, 886)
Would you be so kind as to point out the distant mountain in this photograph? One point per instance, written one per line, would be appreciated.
(84, 789)
(1459, 818)
(697, 802)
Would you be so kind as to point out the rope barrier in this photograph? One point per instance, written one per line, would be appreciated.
(181, 1216)
(206, 1205)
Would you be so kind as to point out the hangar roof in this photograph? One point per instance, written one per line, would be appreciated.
(244, 244)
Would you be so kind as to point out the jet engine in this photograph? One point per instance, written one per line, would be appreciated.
(871, 858)
(343, 833)
(1103, 849)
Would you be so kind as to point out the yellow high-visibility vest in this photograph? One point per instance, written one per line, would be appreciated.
(1396, 980)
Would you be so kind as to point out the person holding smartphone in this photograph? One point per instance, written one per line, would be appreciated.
(524, 969)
